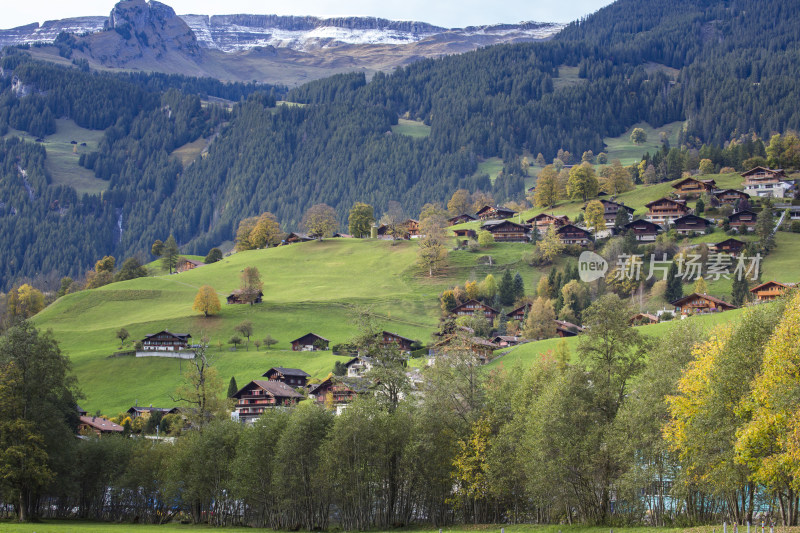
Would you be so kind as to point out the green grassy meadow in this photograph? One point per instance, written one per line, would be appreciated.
(314, 286)
(629, 153)
(411, 128)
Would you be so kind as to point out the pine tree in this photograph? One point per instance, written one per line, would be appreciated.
(506, 289)
(674, 284)
(519, 287)
(169, 254)
(740, 292)
(232, 387)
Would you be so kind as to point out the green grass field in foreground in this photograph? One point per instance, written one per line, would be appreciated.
(65, 526)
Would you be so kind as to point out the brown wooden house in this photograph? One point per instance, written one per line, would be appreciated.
(165, 341)
(489, 212)
(388, 339)
(469, 308)
(610, 210)
(567, 329)
(693, 187)
(237, 297)
(701, 303)
(412, 228)
(642, 319)
(185, 264)
(97, 425)
(572, 234)
(464, 235)
(644, 230)
(762, 181)
(744, 221)
(297, 237)
(542, 221)
(259, 395)
(310, 342)
(504, 341)
(729, 246)
(666, 210)
(338, 392)
(460, 219)
(730, 196)
(481, 348)
(507, 231)
(519, 313)
(294, 377)
(770, 290)
(689, 224)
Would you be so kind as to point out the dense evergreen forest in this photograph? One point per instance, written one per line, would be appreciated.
(727, 68)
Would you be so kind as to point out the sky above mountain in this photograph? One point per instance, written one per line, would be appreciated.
(446, 13)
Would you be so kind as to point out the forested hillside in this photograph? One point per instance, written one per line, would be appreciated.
(726, 68)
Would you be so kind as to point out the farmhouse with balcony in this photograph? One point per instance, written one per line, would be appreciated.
(294, 377)
(610, 210)
(310, 342)
(165, 341)
(743, 221)
(389, 339)
(507, 231)
(644, 230)
(729, 246)
(519, 313)
(542, 221)
(571, 234)
(470, 307)
(489, 212)
(689, 224)
(770, 290)
(337, 392)
(258, 395)
(761, 181)
(730, 196)
(693, 187)
(666, 210)
(701, 303)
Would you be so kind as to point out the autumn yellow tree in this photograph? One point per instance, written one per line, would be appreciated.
(770, 442)
(460, 203)
(207, 301)
(266, 232)
(595, 215)
(472, 485)
(551, 246)
(547, 187)
(616, 179)
(24, 301)
(540, 323)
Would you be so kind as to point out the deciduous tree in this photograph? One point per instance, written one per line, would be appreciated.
(360, 220)
(638, 136)
(251, 284)
(460, 203)
(547, 187)
(595, 216)
(582, 182)
(540, 323)
(206, 301)
(320, 221)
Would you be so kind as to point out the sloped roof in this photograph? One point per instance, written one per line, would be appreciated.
(772, 282)
(101, 424)
(181, 336)
(307, 334)
(723, 303)
(476, 302)
(287, 372)
(275, 388)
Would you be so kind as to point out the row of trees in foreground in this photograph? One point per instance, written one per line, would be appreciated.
(690, 428)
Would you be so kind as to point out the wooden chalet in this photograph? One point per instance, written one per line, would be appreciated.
(762, 181)
(294, 377)
(701, 303)
(729, 246)
(358, 366)
(689, 224)
(297, 237)
(460, 219)
(743, 221)
(644, 230)
(610, 210)
(412, 228)
(567, 329)
(165, 341)
(481, 348)
(519, 313)
(388, 339)
(542, 221)
(258, 395)
(470, 307)
(730, 196)
(310, 342)
(464, 235)
(337, 392)
(489, 212)
(572, 234)
(693, 187)
(642, 319)
(504, 341)
(666, 210)
(338, 235)
(237, 297)
(770, 290)
(188, 264)
(136, 411)
(507, 231)
(97, 425)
